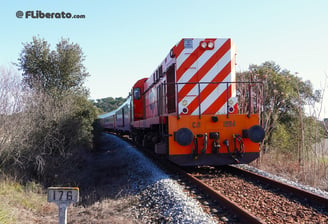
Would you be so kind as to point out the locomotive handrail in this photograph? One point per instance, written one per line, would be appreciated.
(199, 102)
(249, 96)
(227, 100)
(177, 101)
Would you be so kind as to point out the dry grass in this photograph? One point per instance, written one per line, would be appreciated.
(105, 211)
(28, 204)
(312, 172)
(23, 204)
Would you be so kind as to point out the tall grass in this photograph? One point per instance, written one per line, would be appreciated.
(21, 202)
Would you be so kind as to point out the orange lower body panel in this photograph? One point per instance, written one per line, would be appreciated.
(205, 128)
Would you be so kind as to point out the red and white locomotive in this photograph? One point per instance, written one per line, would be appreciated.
(188, 108)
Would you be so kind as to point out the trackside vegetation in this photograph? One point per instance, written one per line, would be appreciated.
(294, 131)
(46, 114)
(45, 120)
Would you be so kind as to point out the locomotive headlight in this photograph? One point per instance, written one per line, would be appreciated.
(203, 44)
(184, 103)
(210, 45)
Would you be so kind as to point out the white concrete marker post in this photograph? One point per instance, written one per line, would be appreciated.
(63, 197)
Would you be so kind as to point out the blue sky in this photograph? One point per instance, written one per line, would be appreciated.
(124, 41)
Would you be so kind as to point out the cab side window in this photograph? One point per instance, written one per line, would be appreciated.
(136, 93)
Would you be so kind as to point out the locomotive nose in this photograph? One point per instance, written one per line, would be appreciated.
(254, 133)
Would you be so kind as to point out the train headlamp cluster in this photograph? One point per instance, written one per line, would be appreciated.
(207, 45)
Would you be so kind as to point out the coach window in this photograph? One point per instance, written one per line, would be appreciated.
(136, 93)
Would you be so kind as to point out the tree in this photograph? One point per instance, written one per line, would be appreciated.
(283, 97)
(11, 105)
(53, 71)
(57, 117)
(109, 103)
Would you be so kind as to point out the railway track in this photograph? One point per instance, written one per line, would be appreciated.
(246, 197)
(267, 200)
(310, 197)
(243, 216)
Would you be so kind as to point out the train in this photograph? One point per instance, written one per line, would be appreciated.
(191, 108)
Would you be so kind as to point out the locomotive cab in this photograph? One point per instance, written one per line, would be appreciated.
(138, 100)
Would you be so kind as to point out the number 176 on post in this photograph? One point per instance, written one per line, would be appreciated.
(63, 194)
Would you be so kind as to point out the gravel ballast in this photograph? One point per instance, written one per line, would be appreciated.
(160, 199)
